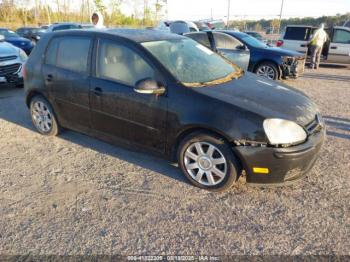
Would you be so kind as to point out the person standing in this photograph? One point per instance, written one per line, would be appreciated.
(97, 20)
(316, 43)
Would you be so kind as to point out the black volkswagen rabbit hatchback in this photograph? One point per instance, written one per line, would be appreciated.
(170, 95)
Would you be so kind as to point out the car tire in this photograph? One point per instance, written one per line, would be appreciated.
(203, 168)
(268, 70)
(43, 117)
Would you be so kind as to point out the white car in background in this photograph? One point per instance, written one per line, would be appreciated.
(337, 50)
(12, 60)
(177, 27)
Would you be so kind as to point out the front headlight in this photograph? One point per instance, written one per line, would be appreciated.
(22, 55)
(280, 131)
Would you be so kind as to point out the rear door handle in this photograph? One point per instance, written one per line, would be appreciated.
(49, 78)
(302, 45)
(98, 91)
(334, 47)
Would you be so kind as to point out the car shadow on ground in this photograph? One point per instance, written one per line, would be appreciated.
(13, 109)
(338, 126)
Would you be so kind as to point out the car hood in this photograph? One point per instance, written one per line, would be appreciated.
(269, 99)
(7, 49)
(282, 52)
(17, 40)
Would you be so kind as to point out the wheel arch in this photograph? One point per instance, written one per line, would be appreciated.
(31, 94)
(192, 129)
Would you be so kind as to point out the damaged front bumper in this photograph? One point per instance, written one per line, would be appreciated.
(292, 67)
(283, 164)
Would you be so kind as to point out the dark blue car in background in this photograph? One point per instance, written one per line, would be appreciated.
(14, 39)
(270, 62)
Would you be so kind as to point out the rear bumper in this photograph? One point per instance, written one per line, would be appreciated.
(284, 164)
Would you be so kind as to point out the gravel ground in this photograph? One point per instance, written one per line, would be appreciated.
(73, 194)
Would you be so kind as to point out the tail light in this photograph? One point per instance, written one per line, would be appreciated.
(24, 71)
(279, 43)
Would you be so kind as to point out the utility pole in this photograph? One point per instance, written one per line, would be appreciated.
(228, 13)
(211, 14)
(279, 30)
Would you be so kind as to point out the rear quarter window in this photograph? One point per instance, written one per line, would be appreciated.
(297, 33)
(201, 38)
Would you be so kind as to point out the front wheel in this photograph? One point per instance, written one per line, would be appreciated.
(267, 70)
(43, 117)
(208, 162)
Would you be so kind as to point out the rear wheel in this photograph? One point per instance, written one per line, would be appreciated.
(208, 162)
(267, 70)
(43, 117)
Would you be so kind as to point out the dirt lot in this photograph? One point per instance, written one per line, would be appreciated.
(76, 195)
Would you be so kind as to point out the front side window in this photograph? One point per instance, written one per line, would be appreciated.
(73, 53)
(119, 63)
(341, 36)
(191, 63)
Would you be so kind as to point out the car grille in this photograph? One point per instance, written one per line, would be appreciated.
(315, 125)
(7, 58)
(9, 69)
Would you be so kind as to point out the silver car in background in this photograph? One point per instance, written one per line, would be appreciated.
(12, 60)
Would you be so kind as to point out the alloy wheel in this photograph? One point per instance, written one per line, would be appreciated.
(205, 163)
(266, 71)
(42, 117)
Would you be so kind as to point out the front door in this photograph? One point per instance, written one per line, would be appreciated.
(232, 49)
(339, 48)
(117, 110)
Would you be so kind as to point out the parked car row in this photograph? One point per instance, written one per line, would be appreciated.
(12, 59)
(168, 94)
(337, 50)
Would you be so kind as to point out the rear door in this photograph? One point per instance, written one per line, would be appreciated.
(202, 38)
(296, 38)
(339, 48)
(232, 49)
(117, 110)
(66, 73)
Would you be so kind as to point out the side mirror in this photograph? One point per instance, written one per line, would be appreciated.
(241, 47)
(149, 87)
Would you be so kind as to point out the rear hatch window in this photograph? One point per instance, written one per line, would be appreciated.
(298, 33)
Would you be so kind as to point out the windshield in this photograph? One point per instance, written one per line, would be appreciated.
(7, 33)
(251, 41)
(191, 63)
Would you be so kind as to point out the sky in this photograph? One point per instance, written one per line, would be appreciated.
(254, 9)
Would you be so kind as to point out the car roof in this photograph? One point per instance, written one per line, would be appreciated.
(234, 33)
(136, 35)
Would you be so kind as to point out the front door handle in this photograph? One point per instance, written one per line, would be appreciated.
(303, 45)
(334, 47)
(98, 91)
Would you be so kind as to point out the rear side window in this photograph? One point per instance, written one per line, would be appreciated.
(224, 41)
(51, 52)
(297, 33)
(341, 36)
(201, 38)
(73, 53)
(119, 63)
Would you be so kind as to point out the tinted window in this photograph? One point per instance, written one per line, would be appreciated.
(117, 62)
(201, 38)
(73, 53)
(223, 41)
(341, 36)
(65, 27)
(51, 52)
(297, 33)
